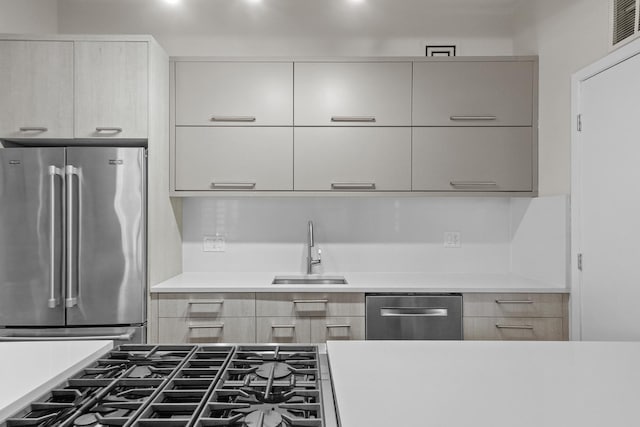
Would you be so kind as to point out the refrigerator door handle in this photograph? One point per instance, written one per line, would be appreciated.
(70, 300)
(53, 172)
(122, 337)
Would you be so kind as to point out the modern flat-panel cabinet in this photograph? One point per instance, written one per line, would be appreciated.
(473, 93)
(352, 93)
(111, 89)
(472, 159)
(236, 159)
(352, 159)
(234, 93)
(36, 89)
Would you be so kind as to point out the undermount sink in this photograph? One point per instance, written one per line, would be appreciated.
(309, 280)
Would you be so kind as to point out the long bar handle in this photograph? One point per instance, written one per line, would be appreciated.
(353, 185)
(473, 184)
(233, 185)
(338, 326)
(122, 337)
(368, 119)
(108, 129)
(205, 326)
(413, 312)
(528, 327)
(206, 301)
(310, 301)
(283, 326)
(232, 119)
(53, 172)
(33, 129)
(504, 301)
(472, 118)
(70, 300)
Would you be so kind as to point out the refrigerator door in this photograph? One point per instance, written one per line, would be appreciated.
(106, 258)
(31, 236)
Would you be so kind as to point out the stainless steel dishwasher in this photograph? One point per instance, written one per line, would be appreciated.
(414, 317)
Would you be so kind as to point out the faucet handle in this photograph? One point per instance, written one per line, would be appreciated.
(319, 254)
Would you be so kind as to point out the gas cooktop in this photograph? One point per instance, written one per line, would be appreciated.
(188, 385)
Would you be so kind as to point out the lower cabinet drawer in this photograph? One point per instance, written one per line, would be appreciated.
(207, 305)
(283, 329)
(512, 328)
(513, 305)
(198, 330)
(324, 329)
(310, 304)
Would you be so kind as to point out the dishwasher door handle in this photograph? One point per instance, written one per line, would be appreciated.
(413, 312)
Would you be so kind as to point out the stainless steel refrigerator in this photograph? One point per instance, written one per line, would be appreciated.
(72, 243)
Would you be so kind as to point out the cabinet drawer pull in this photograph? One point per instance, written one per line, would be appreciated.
(233, 185)
(283, 326)
(338, 326)
(232, 119)
(109, 129)
(205, 326)
(473, 184)
(206, 301)
(310, 301)
(505, 301)
(369, 119)
(33, 129)
(353, 185)
(472, 118)
(499, 326)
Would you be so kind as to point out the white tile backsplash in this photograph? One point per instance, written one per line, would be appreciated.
(355, 234)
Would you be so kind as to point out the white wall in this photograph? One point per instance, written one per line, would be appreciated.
(300, 27)
(29, 16)
(567, 35)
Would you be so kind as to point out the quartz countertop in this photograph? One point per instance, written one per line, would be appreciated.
(29, 369)
(486, 383)
(358, 282)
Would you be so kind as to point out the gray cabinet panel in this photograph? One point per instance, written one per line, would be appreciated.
(472, 159)
(352, 159)
(353, 94)
(487, 93)
(234, 158)
(228, 93)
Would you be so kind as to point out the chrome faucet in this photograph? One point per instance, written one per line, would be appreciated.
(310, 244)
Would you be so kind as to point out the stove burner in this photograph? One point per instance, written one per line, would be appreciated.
(276, 370)
(264, 417)
(140, 372)
(86, 420)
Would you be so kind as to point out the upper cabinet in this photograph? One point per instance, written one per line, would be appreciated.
(111, 89)
(234, 94)
(352, 93)
(473, 93)
(36, 89)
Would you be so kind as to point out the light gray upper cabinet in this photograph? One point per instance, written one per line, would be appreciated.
(36, 89)
(473, 93)
(352, 93)
(352, 159)
(234, 159)
(465, 159)
(111, 89)
(234, 93)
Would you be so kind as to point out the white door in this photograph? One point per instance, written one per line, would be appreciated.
(606, 203)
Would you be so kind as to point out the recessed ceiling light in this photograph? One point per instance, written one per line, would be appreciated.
(356, 1)
(172, 1)
(255, 1)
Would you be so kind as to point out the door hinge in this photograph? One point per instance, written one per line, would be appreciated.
(579, 123)
(580, 262)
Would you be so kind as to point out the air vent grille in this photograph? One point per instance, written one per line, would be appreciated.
(624, 19)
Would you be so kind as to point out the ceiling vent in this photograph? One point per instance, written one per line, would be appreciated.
(625, 20)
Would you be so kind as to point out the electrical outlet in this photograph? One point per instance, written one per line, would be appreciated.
(213, 243)
(451, 239)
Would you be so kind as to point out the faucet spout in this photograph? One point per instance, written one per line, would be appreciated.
(310, 244)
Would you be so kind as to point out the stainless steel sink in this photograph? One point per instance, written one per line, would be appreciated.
(309, 280)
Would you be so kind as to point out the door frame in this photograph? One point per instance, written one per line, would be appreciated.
(614, 58)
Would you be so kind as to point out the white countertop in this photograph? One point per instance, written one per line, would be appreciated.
(486, 383)
(29, 369)
(358, 282)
